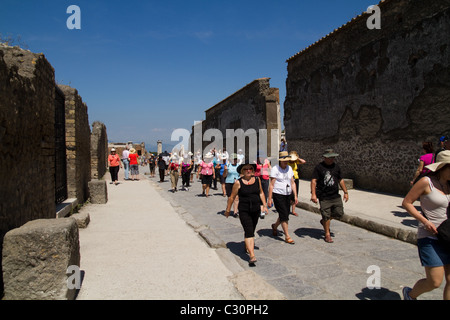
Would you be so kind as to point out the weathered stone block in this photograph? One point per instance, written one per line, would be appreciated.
(36, 257)
(98, 191)
(82, 219)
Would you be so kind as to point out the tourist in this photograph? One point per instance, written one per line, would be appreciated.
(424, 160)
(134, 165)
(325, 182)
(434, 194)
(251, 195)
(206, 169)
(281, 186)
(126, 162)
(185, 171)
(294, 164)
(444, 144)
(231, 175)
(113, 164)
(222, 173)
(283, 145)
(265, 177)
(161, 167)
(174, 172)
(152, 164)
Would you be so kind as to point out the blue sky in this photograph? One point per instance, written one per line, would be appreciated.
(145, 68)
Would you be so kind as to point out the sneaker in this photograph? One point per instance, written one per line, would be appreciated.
(406, 291)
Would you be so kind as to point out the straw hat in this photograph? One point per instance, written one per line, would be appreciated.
(284, 156)
(132, 150)
(294, 155)
(442, 159)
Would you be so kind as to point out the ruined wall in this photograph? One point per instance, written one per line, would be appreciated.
(373, 95)
(255, 106)
(78, 145)
(27, 139)
(99, 150)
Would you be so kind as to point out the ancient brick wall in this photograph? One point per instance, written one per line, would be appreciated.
(78, 145)
(255, 106)
(27, 139)
(373, 95)
(99, 150)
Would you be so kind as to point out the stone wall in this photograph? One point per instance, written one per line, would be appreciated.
(27, 139)
(373, 95)
(78, 145)
(255, 106)
(99, 150)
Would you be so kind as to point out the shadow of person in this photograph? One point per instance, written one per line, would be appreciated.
(315, 233)
(377, 294)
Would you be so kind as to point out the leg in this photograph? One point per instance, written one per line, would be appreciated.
(433, 280)
(447, 282)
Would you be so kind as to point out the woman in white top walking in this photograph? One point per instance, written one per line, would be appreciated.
(434, 194)
(281, 186)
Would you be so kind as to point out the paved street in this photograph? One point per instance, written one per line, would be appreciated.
(312, 268)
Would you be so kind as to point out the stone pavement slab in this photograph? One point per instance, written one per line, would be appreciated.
(137, 247)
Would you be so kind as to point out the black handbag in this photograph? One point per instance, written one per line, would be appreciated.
(444, 231)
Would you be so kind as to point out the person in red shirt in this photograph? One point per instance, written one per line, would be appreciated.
(134, 166)
(113, 164)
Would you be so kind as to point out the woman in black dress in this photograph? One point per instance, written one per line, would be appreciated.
(251, 195)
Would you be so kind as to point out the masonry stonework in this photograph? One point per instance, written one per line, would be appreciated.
(373, 95)
(255, 106)
(27, 139)
(99, 150)
(78, 145)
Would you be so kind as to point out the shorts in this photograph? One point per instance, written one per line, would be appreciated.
(134, 169)
(282, 204)
(229, 188)
(207, 179)
(432, 253)
(331, 208)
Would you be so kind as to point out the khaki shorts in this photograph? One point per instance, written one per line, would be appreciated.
(332, 208)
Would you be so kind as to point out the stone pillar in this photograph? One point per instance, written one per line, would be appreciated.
(159, 146)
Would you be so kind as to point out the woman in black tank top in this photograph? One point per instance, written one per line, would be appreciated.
(251, 195)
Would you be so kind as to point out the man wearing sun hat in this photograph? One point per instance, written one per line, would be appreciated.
(325, 182)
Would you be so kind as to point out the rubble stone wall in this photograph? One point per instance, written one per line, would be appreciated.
(373, 95)
(255, 106)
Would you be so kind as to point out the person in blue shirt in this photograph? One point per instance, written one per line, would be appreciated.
(231, 175)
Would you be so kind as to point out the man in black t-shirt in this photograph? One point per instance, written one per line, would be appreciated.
(325, 183)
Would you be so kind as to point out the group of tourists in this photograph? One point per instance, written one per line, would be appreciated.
(129, 161)
(252, 188)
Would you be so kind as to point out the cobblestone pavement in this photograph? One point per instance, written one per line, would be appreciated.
(311, 268)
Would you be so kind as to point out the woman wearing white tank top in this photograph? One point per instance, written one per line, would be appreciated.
(434, 194)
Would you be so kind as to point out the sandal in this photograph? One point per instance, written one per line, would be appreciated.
(328, 239)
(289, 240)
(252, 260)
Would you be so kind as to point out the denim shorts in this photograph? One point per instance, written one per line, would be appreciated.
(432, 253)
